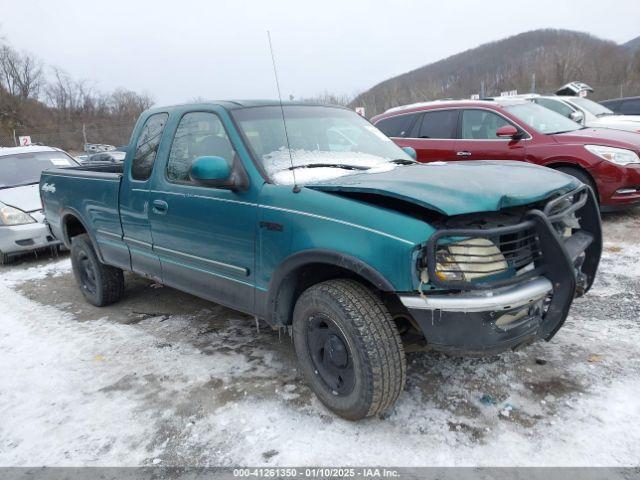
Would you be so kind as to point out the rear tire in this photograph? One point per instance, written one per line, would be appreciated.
(580, 175)
(4, 258)
(99, 283)
(349, 348)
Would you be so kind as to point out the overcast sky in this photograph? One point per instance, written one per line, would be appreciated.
(176, 50)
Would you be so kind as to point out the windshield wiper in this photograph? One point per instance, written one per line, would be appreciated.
(403, 161)
(330, 165)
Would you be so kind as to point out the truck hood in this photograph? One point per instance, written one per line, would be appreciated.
(459, 187)
(601, 136)
(26, 197)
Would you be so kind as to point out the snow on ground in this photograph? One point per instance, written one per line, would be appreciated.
(164, 378)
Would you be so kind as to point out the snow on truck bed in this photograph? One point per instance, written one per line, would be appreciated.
(163, 378)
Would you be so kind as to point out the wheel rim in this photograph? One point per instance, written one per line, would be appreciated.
(87, 272)
(330, 355)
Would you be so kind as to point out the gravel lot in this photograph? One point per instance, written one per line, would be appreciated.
(163, 378)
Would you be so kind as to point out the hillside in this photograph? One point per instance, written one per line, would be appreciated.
(633, 45)
(554, 56)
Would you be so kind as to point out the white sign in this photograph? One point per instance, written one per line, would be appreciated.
(25, 141)
(509, 93)
(360, 111)
(475, 96)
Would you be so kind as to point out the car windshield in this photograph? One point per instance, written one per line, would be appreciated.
(542, 119)
(25, 168)
(325, 142)
(591, 106)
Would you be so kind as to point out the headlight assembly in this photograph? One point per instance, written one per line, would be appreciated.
(13, 216)
(619, 156)
(469, 259)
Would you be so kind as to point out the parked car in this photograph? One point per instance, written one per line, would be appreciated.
(352, 243)
(586, 112)
(22, 226)
(514, 129)
(113, 156)
(623, 106)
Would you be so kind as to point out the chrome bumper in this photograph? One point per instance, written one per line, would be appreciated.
(495, 300)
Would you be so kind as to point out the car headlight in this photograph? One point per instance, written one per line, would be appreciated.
(619, 156)
(13, 216)
(469, 259)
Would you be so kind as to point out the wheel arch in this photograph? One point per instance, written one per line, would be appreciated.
(556, 164)
(303, 269)
(72, 225)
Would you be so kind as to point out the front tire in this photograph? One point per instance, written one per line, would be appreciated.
(581, 175)
(349, 348)
(99, 283)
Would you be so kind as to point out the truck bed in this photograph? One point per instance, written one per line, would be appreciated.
(89, 193)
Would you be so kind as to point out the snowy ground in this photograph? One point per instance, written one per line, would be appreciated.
(165, 378)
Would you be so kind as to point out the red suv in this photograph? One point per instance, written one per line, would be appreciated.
(511, 129)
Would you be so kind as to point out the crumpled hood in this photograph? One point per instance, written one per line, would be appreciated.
(455, 188)
(26, 198)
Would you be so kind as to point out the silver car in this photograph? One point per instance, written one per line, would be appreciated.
(22, 224)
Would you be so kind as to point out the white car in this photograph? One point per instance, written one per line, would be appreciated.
(22, 224)
(586, 111)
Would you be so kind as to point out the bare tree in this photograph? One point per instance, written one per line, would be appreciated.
(21, 74)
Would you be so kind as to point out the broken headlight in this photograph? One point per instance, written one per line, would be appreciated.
(466, 260)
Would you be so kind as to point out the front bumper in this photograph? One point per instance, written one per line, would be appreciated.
(24, 238)
(482, 322)
(494, 317)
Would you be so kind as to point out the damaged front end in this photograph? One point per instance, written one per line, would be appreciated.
(497, 281)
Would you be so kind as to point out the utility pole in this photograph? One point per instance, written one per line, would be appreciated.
(482, 89)
(84, 135)
(15, 139)
(533, 83)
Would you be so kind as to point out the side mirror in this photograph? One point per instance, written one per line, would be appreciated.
(577, 117)
(210, 171)
(411, 152)
(507, 131)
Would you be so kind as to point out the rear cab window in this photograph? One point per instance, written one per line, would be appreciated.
(147, 146)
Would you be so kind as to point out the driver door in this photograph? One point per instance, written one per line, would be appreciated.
(204, 236)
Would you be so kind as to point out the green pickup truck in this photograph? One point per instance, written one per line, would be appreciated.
(308, 216)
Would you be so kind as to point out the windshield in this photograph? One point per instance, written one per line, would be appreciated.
(326, 142)
(591, 106)
(542, 119)
(25, 168)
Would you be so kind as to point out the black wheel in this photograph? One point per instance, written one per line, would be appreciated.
(349, 348)
(4, 258)
(100, 284)
(580, 175)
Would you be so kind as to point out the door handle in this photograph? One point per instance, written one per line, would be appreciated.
(463, 154)
(160, 207)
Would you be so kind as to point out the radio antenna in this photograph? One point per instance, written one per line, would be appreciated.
(296, 188)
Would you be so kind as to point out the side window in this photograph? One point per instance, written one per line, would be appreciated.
(397, 126)
(147, 146)
(198, 134)
(439, 124)
(630, 107)
(556, 106)
(481, 124)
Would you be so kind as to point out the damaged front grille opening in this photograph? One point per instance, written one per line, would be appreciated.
(494, 257)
